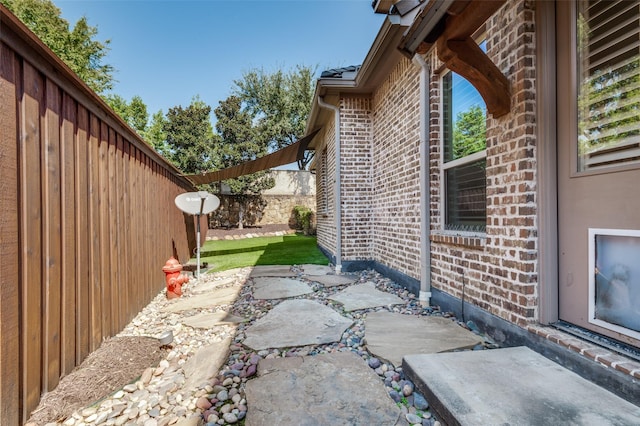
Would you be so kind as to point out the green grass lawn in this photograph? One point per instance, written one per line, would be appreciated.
(285, 250)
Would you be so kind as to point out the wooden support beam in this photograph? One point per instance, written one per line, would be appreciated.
(461, 54)
(467, 59)
(467, 21)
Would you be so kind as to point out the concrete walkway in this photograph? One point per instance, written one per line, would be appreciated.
(513, 386)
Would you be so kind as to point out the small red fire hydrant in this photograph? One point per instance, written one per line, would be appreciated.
(174, 280)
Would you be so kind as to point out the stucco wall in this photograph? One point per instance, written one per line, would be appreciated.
(292, 182)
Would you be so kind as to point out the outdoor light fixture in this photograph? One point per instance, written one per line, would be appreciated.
(197, 204)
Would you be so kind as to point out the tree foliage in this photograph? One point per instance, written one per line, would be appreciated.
(279, 104)
(189, 137)
(77, 47)
(134, 113)
(156, 135)
(238, 144)
(469, 132)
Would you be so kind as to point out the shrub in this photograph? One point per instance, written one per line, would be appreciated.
(304, 217)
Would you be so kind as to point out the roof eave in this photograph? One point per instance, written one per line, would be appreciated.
(382, 56)
(426, 22)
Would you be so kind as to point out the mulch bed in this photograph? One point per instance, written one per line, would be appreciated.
(118, 362)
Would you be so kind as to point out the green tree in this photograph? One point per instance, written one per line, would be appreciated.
(189, 137)
(238, 144)
(134, 112)
(77, 47)
(138, 117)
(156, 135)
(469, 132)
(279, 104)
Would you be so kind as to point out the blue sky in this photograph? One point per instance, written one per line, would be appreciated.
(167, 52)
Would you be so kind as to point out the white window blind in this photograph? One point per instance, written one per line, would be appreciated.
(609, 83)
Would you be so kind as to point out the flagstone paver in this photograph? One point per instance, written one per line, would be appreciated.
(211, 320)
(296, 323)
(309, 269)
(363, 296)
(209, 286)
(272, 271)
(328, 389)
(391, 335)
(332, 280)
(205, 364)
(222, 296)
(278, 288)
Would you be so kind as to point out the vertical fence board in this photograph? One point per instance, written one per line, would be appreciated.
(123, 302)
(146, 229)
(31, 238)
(52, 237)
(112, 223)
(95, 293)
(133, 240)
(141, 227)
(126, 205)
(68, 154)
(9, 243)
(86, 223)
(105, 276)
(83, 237)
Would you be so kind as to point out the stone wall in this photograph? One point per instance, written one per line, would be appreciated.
(265, 210)
(275, 206)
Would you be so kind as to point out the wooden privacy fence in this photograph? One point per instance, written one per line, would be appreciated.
(87, 220)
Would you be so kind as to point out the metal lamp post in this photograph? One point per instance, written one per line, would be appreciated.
(197, 203)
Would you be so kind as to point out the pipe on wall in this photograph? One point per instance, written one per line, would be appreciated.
(338, 212)
(425, 212)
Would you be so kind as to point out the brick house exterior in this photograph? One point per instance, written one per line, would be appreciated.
(503, 277)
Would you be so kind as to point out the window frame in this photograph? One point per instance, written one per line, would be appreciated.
(323, 196)
(447, 165)
(572, 49)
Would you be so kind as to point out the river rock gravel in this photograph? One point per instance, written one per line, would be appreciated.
(158, 397)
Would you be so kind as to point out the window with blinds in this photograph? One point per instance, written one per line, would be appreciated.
(608, 38)
(464, 155)
(322, 190)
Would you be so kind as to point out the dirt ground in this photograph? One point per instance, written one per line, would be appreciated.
(118, 361)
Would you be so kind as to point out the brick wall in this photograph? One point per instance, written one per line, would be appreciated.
(357, 183)
(396, 157)
(498, 269)
(325, 218)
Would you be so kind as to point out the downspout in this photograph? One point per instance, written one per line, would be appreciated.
(425, 210)
(338, 213)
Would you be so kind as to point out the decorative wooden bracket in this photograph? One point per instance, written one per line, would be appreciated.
(461, 54)
(467, 59)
